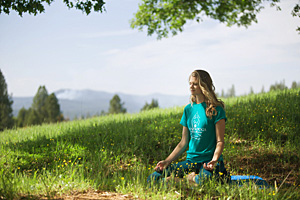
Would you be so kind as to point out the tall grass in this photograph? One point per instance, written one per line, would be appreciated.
(118, 152)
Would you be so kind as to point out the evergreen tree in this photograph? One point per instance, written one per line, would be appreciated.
(22, 117)
(295, 85)
(6, 116)
(231, 92)
(115, 105)
(153, 104)
(278, 86)
(53, 109)
(223, 93)
(262, 89)
(251, 90)
(39, 105)
(32, 118)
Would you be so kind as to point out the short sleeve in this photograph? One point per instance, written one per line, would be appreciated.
(183, 120)
(220, 114)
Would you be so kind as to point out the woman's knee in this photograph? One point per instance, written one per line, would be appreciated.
(203, 176)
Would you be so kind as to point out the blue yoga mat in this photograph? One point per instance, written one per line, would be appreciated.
(243, 179)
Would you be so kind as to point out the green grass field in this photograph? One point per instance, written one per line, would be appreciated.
(118, 152)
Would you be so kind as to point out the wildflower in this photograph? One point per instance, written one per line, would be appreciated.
(122, 178)
(221, 173)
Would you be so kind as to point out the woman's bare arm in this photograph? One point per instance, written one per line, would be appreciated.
(179, 149)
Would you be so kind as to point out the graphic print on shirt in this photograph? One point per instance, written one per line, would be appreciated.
(196, 129)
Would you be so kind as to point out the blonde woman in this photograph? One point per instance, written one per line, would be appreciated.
(203, 132)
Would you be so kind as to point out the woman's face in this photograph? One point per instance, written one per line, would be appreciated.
(194, 86)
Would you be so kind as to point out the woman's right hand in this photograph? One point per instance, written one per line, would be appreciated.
(161, 165)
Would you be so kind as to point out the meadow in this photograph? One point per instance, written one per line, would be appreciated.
(117, 152)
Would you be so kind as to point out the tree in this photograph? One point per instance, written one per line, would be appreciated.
(278, 86)
(223, 93)
(6, 116)
(165, 16)
(115, 105)
(53, 109)
(153, 104)
(251, 90)
(39, 104)
(231, 92)
(37, 6)
(295, 85)
(22, 117)
(32, 118)
(262, 89)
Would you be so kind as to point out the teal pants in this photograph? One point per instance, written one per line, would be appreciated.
(185, 167)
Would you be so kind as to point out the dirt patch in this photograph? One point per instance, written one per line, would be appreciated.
(93, 195)
(98, 195)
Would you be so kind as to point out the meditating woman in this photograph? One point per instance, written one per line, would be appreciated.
(203, 122)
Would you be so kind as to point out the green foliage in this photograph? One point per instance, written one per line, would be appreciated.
(6, 116)
(230, 92)
(44, 109)
(296, 13)
(153, 104)
(278, 86)
(53, 109)
(21, 119)
(39, 105)
(118, 152)
(115, 105)
(169, 16)
(38, 6)
(295, 85)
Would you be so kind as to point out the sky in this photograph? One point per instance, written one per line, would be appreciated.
(66, 49)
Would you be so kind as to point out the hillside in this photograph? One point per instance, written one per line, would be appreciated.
(117, 152)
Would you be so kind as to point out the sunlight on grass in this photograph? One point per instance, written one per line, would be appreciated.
(118, 152)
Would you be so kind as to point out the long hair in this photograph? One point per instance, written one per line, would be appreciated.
(208, 89)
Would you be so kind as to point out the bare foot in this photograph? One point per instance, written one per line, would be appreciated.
(191, 177)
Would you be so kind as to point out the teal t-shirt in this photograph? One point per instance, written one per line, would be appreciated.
(202, 131)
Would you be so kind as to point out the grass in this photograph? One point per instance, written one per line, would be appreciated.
(118, 152)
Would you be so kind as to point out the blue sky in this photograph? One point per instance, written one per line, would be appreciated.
(64, 48)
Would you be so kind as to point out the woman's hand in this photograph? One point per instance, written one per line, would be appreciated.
(161, 165)
(210, 165)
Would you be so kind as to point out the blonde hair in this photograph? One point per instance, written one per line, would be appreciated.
(208, 89)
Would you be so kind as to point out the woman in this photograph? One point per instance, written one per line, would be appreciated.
(203, 123)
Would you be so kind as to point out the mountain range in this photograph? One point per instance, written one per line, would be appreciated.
(83, 103)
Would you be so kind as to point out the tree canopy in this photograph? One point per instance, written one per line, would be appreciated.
(153, 104)
(115, 105)
(44, 109)
(38, 6)
(169, 16)
(164, 16)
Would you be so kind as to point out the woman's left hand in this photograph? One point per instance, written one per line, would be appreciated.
(210, 165)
